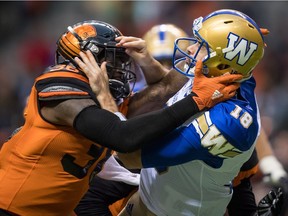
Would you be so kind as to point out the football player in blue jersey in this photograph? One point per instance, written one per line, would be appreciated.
(196, 163)
(160, 44)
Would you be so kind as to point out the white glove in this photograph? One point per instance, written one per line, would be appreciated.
(112, 170)
(272, 170)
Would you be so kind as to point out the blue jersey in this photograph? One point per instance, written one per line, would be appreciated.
(197, 162)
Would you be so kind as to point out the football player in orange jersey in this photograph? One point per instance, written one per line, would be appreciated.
(46, 166)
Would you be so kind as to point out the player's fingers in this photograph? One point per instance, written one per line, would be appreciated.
(83, 57)
(139, 44)
(124, 39)
(229, 78)
(103, 66)
(232, 94)
(232, 87)
(118, 38)
(264, 31)
(82, 65)
(198, 69)
(86, 61)
(121, 40)
(104, 70)
(131, 42)
(91, 59)
(230, 90)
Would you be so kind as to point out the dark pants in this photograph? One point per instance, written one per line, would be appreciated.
(243, 200)
(6, 213)
(100, 195)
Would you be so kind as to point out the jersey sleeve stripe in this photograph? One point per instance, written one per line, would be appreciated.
(59, 85)
(53, 94)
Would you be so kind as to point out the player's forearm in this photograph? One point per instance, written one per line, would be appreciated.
(131, 160)
(107, 102)
(154, 96)
(153, 71)
(263, 146)
(108, 130)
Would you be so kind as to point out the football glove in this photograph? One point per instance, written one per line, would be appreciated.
(210, 91)
(264, 31)
(271, 204)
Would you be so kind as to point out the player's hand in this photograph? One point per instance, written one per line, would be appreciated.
(136, 48)
(97, 76)
(98, 80)
(210, 91)
(273, 171)
(264, 31)
(276, 178)
(271, 204)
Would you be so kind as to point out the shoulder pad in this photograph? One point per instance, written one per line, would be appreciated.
(62, 67)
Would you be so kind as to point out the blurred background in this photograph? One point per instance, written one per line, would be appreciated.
(30, 29)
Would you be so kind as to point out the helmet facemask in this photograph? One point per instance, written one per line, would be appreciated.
(121, 78)
(185, 64)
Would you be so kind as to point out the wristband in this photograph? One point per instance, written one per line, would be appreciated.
(120, 116)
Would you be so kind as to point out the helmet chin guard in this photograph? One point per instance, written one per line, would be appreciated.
(121, 82)
(118, 89)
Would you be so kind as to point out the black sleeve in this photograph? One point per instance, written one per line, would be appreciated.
(251, 162)
(100, 195)
(108, 130)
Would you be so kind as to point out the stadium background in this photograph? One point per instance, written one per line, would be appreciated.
(30, 29)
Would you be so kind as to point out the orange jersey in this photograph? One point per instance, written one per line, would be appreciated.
(248, 169)
(45, 168)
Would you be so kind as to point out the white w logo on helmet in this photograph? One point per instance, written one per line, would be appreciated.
(243, 50)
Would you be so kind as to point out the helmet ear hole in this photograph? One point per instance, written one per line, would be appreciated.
(251, 26)
(223, 66)
(227, 22)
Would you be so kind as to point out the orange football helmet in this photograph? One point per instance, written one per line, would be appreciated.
(99, 38)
